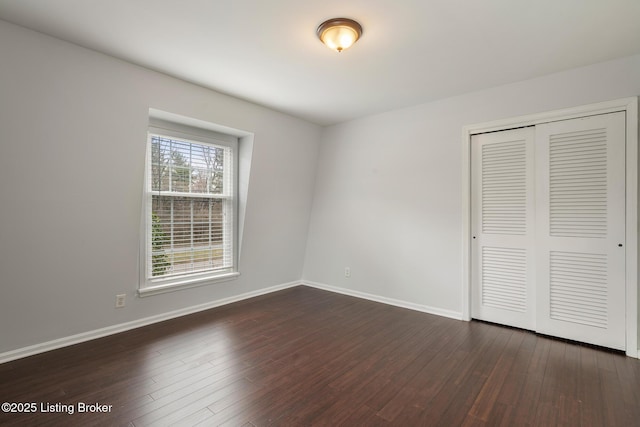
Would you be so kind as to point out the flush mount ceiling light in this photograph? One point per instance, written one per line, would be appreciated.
(339, 33)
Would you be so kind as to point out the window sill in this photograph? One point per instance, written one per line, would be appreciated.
(185, 284)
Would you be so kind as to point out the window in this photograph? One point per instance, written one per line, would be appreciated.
(190, 208)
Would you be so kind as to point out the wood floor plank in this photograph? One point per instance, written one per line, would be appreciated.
(524, 413)
(434, 362)
(364, 416)
(486, 399)
(615, 410)
(589, 389)
(508, 398)
(195, 418)
(304, 356)
(453, 381)
(460, 403)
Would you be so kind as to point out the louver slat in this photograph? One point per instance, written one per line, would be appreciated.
(578, 184)
(578, 288)
(504, 278)
(504, 196)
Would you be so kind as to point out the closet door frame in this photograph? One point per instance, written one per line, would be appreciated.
(630, 107)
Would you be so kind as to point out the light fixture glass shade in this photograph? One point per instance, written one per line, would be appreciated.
(339, 33)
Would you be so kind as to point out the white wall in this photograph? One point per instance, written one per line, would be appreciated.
(72, 144)
(388, 198)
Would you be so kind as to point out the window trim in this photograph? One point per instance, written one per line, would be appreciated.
(147, 286)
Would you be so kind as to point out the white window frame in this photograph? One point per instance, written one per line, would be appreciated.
(183, 133)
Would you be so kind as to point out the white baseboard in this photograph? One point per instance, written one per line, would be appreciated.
(390, 301)
(122, 327)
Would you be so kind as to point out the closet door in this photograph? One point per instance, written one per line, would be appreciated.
(580, 229)
(502, 227)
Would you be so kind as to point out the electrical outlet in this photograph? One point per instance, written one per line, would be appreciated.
(347, 272)
(120, 300)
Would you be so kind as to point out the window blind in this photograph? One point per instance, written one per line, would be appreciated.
(190, 209)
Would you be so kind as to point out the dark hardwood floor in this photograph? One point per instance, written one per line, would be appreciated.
(304, 356)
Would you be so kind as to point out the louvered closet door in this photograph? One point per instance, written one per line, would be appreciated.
(580, 210)
(502, 227)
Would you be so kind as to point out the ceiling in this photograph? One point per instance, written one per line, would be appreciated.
(411, 51)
